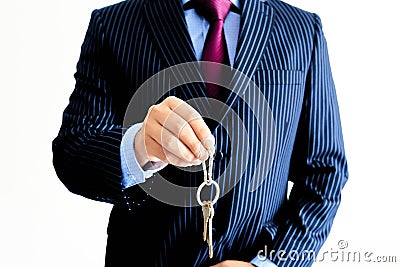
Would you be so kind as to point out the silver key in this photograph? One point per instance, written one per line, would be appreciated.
(209, 237)
(206, 208)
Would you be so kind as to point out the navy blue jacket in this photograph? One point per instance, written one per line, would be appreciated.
(283, 50)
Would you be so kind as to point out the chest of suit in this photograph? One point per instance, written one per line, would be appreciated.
(280, 78)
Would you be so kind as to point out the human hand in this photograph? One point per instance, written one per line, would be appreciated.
(233, 264)
(173, 132)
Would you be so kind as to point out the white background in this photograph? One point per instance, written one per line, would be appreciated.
(42, 224)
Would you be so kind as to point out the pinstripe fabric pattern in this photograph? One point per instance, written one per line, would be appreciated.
(283, 50)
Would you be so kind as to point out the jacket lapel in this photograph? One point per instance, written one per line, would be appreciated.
(256, 24)
(167, 24)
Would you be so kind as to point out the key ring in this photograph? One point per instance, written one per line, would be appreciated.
(217, 191)
(208, 181)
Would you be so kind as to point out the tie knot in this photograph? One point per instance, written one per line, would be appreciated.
(213, 10)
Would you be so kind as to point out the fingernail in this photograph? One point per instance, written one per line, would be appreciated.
(209, 143)
(197, 162)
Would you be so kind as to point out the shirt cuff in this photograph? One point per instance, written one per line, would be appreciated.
(261, 261)
(132, 173)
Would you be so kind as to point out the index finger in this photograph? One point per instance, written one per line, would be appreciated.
(196, 122)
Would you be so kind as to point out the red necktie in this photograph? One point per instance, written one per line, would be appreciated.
(215, 12)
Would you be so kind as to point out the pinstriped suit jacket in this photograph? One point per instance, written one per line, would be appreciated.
(283, 50)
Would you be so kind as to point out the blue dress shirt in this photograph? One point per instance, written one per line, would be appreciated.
(197, 25)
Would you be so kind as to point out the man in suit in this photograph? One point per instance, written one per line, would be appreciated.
(283, 51)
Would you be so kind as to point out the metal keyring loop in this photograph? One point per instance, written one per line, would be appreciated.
(217, 191)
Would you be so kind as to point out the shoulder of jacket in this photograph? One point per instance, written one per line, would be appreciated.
(121, 7)
(289, 11)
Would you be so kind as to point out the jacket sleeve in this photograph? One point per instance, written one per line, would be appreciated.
(86, 152)
(318, 167)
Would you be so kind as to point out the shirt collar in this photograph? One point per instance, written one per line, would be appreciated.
(236, 3)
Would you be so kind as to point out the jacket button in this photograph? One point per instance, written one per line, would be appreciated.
(218, 155)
